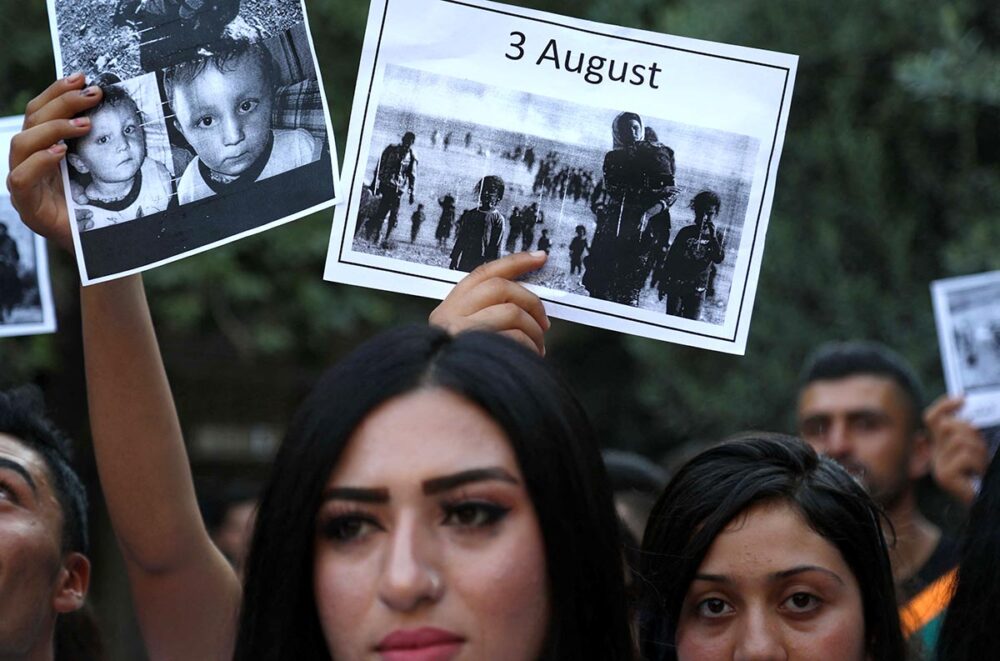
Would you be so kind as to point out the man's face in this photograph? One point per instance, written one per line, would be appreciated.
(490, 197)
(865, 424)
(226, 116)
(33, 570)
(115, 148)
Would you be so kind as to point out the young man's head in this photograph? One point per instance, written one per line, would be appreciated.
(408, 139)
(545, 233)
(222, 104)
(861, 404)
(115, 148)
(44, 570)
(706, 205)
(581, 230)
(491, 189)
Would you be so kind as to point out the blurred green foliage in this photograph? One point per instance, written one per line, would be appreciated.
(890, 178)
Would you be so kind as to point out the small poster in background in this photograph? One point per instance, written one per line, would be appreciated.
(214, 126)
(967, 312)
(643, 164)
(25, 290)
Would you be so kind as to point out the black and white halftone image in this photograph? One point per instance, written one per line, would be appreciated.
(127, 38)
(967, 312)
(643, 164)
(25, 292)
(634, 210)
(213, 126)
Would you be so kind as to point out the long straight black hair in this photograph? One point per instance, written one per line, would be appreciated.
(970, 628)
(721, 483)
(556, 452)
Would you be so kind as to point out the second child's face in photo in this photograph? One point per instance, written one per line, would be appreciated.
(226, 115)
(115, 148)
(427, 539)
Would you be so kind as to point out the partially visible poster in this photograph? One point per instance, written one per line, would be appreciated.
(25, 291)
(214, 126)
(644, 165)
(967, 312)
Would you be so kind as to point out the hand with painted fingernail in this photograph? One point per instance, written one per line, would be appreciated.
(489, 299)
(35, 182)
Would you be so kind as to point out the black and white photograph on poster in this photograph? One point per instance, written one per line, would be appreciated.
(26, 306)
(592, 143)
(213, 126)
(967, 312)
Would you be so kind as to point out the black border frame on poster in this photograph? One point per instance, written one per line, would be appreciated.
(760, 210)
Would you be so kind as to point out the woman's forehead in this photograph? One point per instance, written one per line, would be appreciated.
(422, 435)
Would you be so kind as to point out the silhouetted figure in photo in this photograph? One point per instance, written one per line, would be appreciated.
(443, 231)
(11, 289)
(396, 174)
(544, 243)
(689, 261)
(416, 220)
(530, 217)
(480, 230)
(514, 231)
(576, 249)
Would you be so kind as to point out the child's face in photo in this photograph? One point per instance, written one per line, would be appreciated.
(115, 148)
(226, 116)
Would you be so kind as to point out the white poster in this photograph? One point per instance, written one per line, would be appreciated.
(967, 312)
(25, 291)
(213, 126)
(643, 163)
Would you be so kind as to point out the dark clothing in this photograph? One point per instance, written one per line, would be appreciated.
(529, 218)
(478, 239)
(395, 175)
(447, 219)
(174, 31)
(687, 268)
(576, 249)
(944, 558)
(544, 244)
(11, 291)
(416, 220)
(514, 231)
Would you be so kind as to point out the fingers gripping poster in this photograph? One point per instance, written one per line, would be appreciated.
(643, 164)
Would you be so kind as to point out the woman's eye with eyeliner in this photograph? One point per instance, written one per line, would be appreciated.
(348, 528)
(473, 514)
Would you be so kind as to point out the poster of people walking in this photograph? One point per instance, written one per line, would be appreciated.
(615, 151)
(967, 313)
(213, 126)
(25, 291)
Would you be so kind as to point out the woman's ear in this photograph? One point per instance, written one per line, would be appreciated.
(73, 583)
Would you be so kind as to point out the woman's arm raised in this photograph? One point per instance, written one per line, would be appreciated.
(186, 595)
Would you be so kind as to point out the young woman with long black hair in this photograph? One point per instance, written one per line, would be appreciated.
(435, 497)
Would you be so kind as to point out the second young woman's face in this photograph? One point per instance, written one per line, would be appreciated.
(427, 545)
(770, 587)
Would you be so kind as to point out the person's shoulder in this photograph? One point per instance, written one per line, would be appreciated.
(191, 183)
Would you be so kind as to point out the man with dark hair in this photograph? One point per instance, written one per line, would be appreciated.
(396, 174)
(44, 570)
(861, 404)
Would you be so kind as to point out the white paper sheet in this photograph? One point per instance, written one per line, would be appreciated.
(479, 84)
(967, 312)
(223, 128)
(25, 290)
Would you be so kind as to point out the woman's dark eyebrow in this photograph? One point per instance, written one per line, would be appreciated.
(20, 470)
(455, 480)
(357, 495)
(794, 571)
(713, 578)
